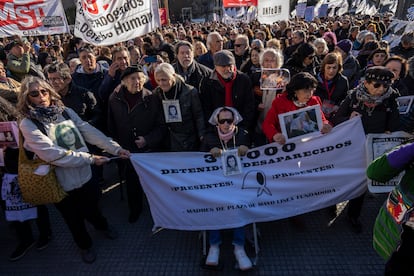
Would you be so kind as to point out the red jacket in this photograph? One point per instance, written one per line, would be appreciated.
(282, 105)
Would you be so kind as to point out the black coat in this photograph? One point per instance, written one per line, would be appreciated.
(212, 95)
(212, 140)
(383, 117)
(339, 89)
(197, 73)
(84, 103)
(145, 119)
(184, 136)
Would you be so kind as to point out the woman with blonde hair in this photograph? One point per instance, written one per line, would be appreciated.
(199, 49)
(43, 111)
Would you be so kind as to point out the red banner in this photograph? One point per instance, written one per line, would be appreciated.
(163, 16)
(239, 3)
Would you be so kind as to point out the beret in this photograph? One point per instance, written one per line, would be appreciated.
(130, 70)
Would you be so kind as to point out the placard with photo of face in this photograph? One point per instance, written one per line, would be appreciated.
(231, 162)
(172, 111)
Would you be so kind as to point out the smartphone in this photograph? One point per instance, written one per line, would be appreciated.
(150, 59)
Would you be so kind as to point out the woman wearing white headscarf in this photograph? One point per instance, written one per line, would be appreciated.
(227, 136)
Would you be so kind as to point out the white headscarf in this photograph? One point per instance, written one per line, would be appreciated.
(214, 117)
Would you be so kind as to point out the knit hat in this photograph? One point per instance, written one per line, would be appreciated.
(224, 58)
(379, 74)
(130, 70)
(345, 45)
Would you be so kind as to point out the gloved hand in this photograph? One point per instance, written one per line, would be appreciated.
(402, 156)
(242, 150)
(216, 152)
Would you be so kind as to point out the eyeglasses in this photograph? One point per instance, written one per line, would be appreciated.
(377, 85)
(222, 121)
(238, 45)
(36, 93)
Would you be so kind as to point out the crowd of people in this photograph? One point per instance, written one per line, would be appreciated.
(190, 87)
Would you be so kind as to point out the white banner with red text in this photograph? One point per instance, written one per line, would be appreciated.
(32, 18)
(106, 22)
(188, 191)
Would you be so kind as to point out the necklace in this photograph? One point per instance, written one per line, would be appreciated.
(175, 95)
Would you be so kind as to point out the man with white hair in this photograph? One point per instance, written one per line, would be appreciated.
(241, 50)
(214, 44)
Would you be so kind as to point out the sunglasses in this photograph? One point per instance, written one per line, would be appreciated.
(222, 121)
(238, 45)
(378, 85)
(36, 93)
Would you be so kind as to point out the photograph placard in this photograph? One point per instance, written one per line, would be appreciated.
(274, 79)
(404, 104)
(9, 134)
(231, 162)
(303, 123)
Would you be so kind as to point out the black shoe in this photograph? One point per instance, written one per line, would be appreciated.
(43, 242)
(88, 255)
(111, 233)
(133, 217)
(20, 251)
(355, 225)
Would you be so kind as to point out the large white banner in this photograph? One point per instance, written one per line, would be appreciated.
(188, 191)
(106, 22)
(32, 18)
(270, 11)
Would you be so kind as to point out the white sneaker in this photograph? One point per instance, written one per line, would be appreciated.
(242, 258)
(213, 255)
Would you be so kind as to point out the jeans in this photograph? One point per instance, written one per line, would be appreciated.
(238, 236)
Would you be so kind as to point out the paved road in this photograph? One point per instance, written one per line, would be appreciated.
(285, 250)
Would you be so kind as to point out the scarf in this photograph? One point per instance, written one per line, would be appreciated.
(46, 115)
(185, 75)
(228, 85)
(363, 96)
(226, 136)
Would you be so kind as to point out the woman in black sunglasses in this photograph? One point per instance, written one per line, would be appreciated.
(374, 101)
(227, 136)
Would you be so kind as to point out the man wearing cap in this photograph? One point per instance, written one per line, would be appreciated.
(350, 65)
(374, 101)
(228, 87)
(18, 61)
(214, 44)
(136, 121)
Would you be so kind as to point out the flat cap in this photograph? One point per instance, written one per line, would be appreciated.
(224, 58)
